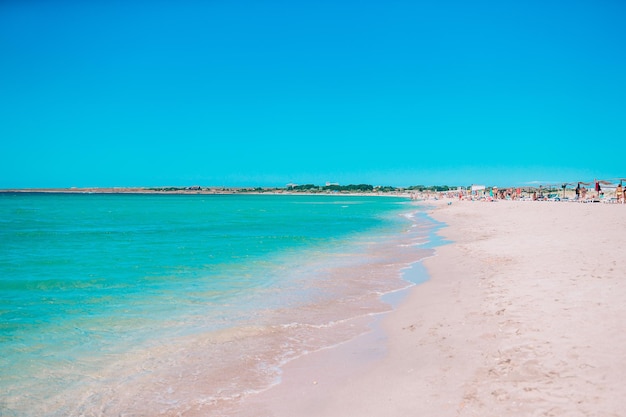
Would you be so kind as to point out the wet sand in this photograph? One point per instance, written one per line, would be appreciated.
(523, 315)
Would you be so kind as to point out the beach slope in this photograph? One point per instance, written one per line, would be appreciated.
(523, 315)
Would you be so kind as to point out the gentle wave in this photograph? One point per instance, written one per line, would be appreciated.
(111, 304)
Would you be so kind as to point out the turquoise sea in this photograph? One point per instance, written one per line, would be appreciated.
(123, 304)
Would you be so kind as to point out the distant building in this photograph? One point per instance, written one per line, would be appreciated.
(328, 184)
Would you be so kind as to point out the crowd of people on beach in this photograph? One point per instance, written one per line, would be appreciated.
(620, 192)
(602, 191)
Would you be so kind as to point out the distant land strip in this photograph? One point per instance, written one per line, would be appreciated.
(308, 188)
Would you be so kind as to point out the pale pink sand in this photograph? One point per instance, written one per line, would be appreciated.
(524, 315)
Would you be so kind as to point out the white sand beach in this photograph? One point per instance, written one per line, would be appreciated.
(523, 315)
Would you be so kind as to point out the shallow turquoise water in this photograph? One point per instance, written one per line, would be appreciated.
(88, 277)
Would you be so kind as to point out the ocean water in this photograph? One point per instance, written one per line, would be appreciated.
(137, 305)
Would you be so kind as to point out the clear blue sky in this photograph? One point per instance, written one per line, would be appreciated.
(238, 93)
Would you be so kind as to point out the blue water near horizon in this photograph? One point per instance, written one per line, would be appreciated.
(86, 277)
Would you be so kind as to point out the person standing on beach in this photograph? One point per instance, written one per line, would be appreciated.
(619, 193)
(578, 192)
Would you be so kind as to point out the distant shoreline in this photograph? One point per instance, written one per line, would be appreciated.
(415, 192)
(193, 191)
(120, 190)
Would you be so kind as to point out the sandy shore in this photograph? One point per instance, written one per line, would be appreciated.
(524, 315)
